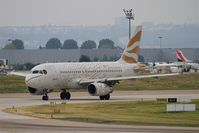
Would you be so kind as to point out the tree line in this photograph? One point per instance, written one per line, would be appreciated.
(14, 44)
(83, 58)
(55, 43)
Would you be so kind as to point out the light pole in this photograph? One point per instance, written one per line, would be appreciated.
(160, 37)
(129, 16)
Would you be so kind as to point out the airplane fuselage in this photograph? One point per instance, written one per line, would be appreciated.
(68, 75)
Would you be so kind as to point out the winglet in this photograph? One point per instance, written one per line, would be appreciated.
(130, 54)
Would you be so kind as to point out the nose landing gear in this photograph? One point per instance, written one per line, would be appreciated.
(45, 96)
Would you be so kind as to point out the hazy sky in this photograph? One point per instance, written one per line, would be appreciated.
(95, 12)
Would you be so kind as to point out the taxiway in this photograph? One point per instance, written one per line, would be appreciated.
(23, 124)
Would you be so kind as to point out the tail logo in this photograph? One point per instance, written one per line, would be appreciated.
(180, 56)
(130, 54)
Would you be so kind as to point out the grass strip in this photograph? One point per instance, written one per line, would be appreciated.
(131, 112)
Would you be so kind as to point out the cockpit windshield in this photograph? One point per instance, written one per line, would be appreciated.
(44, 71)
(39, 72)
(35, 72)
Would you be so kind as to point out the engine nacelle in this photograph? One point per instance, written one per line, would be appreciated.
(99, 89)
(34, 91)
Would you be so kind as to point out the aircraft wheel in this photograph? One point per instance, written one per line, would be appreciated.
(45, 98)
(68, 95)
(63, 95)
(101, 97)
(107, 97)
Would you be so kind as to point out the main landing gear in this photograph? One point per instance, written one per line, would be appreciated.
(105, 97)
(65, 95)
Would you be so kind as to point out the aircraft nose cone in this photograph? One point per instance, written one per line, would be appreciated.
(28, 77)
(34, 81)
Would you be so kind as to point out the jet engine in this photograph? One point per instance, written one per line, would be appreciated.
(99, 89)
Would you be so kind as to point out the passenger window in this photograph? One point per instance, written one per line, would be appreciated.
(44, 71)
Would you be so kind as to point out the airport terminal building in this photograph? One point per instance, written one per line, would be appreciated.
(38, 56)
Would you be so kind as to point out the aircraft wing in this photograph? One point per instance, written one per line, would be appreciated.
(19, 73)
(86, 81)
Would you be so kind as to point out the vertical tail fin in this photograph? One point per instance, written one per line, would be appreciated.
(130, 54)
(181, 57)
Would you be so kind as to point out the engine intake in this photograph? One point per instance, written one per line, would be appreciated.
(99, 89)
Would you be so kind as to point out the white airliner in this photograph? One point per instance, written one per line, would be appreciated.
(97, 77)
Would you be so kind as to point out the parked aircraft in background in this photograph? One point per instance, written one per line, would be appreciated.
(187, 63)
(163, 67)
(181, 57)
(183, 65)
(97, 77)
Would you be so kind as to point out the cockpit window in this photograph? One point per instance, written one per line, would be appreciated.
(35, 72)
(44, 71)
(39, 71)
